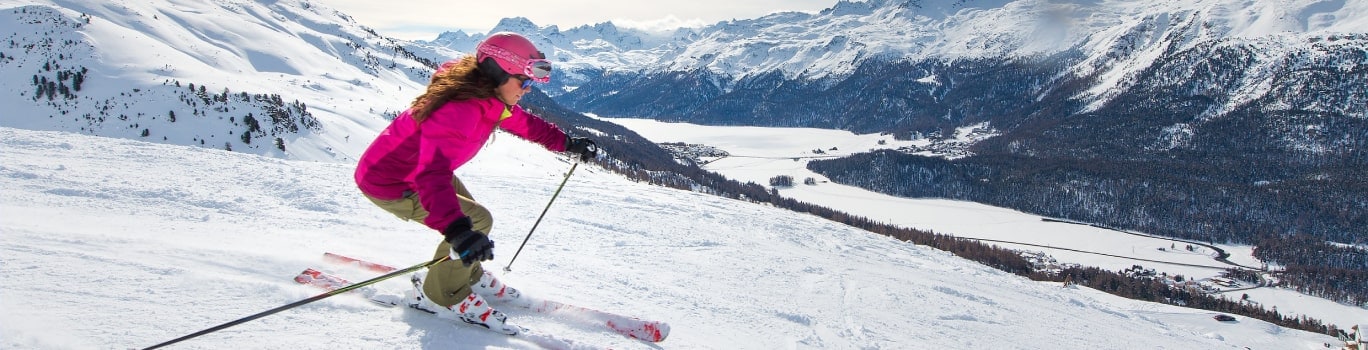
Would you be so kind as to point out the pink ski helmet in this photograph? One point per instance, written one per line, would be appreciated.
(515, 55)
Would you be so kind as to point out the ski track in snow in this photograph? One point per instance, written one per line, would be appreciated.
(113, 243)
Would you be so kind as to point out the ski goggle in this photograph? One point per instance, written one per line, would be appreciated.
(526, 82)
(538, 69)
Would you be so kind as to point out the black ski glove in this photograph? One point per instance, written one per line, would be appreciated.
(584, 147)
(467, 245)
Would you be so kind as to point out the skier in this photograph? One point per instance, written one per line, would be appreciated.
(408, 169)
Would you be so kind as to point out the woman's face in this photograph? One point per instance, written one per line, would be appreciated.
(512, 90)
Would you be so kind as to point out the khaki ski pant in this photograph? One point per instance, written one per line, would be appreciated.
(449, 281)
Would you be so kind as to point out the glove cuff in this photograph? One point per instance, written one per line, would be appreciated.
(460, 225)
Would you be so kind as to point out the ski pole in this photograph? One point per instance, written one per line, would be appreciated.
(509, 267)
(301, 302)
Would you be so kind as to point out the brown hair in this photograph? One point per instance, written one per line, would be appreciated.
(456, 82)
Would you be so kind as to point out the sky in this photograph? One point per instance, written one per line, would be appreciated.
(113, 243)
(424, 19)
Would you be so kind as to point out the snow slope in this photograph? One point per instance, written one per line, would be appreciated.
(111, 243)
(758, 154)
(141, 57)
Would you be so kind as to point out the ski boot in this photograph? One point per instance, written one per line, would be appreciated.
(498, 291)
(473, 310)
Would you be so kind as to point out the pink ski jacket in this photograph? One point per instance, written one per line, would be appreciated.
(407, 156)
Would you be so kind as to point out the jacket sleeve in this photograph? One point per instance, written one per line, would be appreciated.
(535, 129)
(441, 147)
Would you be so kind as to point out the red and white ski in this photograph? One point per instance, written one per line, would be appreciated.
(631, 327)
(321, 279)
(330, 282)
(345, 260)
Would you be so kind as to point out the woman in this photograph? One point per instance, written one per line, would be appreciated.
(408, 170)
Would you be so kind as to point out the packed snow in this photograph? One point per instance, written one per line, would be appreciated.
(112, 243)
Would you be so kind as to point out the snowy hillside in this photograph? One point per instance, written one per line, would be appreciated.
(758, 154)
(114, 243)
(193, 72)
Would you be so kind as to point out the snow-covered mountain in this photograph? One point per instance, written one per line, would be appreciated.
(1115, 36)
(111, 243)
(578, 45)
(283, 78)
(579, 52)
(1092, 50)
(1215, 99)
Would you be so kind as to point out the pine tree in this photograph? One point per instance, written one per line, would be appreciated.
(77, 80)
(781, 181)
